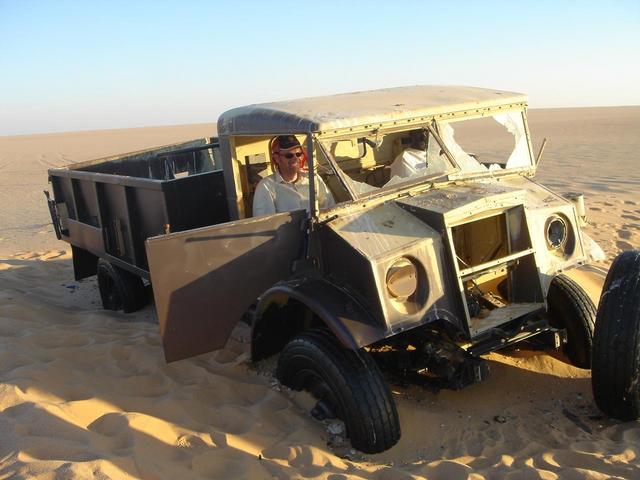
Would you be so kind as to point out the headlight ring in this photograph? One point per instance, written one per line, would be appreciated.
(556, 232)
(402, 279)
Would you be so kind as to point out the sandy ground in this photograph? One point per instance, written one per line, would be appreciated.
(85, 393)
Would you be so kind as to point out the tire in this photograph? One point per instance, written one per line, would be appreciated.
(615, 378)
(349, 381)
(119, 289)
(571, 308)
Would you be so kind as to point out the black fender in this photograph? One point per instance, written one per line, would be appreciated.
(294, 305)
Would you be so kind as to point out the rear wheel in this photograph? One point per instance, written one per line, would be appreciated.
(348, 383)
(119, 289)
(571, 308)
(616, 343)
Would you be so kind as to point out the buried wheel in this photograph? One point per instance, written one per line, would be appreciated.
(347, 383)
(119, 289)
(615, 378)
(571, 308)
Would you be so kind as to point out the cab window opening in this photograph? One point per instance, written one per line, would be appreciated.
(384, 160)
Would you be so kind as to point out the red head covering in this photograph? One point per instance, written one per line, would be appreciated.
(286, 142)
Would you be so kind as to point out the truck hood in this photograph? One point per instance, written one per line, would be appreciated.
(461, 202)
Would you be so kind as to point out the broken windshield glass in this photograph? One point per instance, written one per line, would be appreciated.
(487, 144)
(380, 161)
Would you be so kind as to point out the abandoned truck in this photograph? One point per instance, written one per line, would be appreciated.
(429, 254)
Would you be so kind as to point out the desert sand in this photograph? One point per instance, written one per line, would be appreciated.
(85, 393)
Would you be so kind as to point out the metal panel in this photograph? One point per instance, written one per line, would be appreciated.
(149, 218)
(360, 249)
(205, 279)
(67, 198)
(106, 178)
(84, 263)
(347, 266)
(84, 192)
(196, 201)
(85, 236)
(348, 318)
(116, 226)
(370, 108)
(459, 203)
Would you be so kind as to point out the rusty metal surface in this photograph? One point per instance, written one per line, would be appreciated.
(348, 110)
(350, 320)
(205, 279)
(361, 248)
(85, 236)
(462, 200)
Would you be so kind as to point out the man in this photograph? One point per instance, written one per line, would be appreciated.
(414, 158)
(287, 189)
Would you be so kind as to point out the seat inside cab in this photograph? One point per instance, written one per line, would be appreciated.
(366, 160)
(251, 163)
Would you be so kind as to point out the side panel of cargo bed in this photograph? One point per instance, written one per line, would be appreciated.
(111, 216)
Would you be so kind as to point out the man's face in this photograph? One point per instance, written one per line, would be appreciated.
(288, 162)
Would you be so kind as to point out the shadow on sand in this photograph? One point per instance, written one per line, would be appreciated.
(88, 392)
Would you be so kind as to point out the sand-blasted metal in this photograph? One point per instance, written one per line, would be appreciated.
(439, 246)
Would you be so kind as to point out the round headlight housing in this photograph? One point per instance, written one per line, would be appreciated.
(556, 232)
(402, 279)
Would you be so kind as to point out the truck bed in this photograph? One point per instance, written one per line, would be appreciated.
(108, 207)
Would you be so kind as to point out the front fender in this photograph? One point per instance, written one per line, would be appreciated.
(280, 315)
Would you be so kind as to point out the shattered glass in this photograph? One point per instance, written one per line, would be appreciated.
(451, 149)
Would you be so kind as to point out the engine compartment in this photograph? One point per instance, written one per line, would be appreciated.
(496, 268)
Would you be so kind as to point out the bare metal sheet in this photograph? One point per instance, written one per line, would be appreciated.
(466, 199)
(359, 108)
(380, 231)
(205, 279)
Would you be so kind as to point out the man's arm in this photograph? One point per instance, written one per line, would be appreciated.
(263, 200)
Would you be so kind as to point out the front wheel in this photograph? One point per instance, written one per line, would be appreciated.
(348, 381)
(571, 308)
(615, 378)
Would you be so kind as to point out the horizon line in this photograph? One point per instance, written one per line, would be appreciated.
(214, 122)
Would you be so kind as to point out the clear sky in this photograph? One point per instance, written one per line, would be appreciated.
(82, 65)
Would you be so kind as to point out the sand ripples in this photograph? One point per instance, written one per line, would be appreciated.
(85, 390)
(86, 393)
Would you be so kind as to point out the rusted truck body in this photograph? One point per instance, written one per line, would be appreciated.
(428, 258)
(107, 208)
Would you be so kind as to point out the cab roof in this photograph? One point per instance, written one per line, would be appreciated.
(348, 110)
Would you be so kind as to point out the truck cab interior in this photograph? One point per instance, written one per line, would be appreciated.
(365, 160)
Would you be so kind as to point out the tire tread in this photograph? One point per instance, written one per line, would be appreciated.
(129, 286)
(570, 307)
(616, 349)
(370, 413)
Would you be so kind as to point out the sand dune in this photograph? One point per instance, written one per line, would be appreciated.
(596, 151)
(24, 160)
(85, 393)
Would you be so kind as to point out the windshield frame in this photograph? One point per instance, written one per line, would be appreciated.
(324, 146)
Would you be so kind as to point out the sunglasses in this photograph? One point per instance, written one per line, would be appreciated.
(290, 155)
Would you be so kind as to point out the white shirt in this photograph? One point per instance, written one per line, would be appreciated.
(274, 195)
